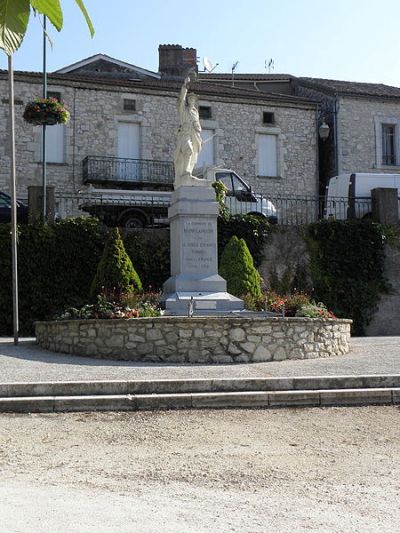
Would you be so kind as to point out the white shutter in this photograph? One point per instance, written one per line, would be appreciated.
(267, 155)
(206, 156)
(128, 140)
(54, 144)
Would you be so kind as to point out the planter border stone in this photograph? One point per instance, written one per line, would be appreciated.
(198, 339)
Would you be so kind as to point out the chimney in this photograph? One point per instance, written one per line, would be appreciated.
(175, 61)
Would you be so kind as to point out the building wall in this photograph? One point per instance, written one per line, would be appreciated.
(92, 130)
(359, 133)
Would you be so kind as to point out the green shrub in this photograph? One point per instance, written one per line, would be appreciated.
(238, 269)
(347, 267)
(115, 272)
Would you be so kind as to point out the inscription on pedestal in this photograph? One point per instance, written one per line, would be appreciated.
(199, 246)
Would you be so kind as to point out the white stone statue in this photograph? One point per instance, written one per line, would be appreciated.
(189, 139)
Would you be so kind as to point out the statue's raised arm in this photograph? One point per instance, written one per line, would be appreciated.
(182, 95)
(189, 141)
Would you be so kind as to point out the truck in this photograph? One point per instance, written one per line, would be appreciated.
(349, 195)
(137, 193)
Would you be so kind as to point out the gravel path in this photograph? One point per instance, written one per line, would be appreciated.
(247, 471)
(28, 362)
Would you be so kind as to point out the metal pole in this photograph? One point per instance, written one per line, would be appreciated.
(13, 194)
(44, 176)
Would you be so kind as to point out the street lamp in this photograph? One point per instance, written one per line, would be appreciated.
(323, 131)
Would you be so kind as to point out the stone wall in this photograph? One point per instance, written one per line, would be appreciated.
(386, 320)
(198, 339)
(360, 134)
(286, 263)
(97, 109)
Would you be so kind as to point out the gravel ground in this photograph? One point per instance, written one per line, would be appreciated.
(289, 470)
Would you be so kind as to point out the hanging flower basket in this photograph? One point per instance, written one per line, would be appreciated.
(46, 111)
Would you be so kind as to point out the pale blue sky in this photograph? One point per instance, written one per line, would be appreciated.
(343, 39)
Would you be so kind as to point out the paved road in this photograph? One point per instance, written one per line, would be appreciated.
(27, 362)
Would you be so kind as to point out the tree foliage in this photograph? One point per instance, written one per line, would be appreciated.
(14, 19)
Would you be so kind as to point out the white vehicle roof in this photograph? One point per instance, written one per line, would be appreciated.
(364, 182)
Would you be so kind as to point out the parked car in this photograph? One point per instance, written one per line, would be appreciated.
(5, 209)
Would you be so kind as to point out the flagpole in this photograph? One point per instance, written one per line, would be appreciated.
(44, 169)
(13, 194)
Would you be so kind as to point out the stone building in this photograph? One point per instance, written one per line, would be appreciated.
(363, 119)
(119, 110)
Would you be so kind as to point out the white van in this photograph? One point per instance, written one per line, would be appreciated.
(349, 195)
(240, 198)
(149, 206)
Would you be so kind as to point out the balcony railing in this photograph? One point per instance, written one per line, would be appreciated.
(97, 169)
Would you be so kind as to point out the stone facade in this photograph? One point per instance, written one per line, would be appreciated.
(360, 133)
(198, 339)
(355, 121)
(97, 108)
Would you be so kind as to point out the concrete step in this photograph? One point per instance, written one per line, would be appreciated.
(203, 400)
(185, 386)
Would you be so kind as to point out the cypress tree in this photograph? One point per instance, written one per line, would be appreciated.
(237, 267)
(115, 272)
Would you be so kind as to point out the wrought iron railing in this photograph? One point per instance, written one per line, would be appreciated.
(97, 169)
(290, 210)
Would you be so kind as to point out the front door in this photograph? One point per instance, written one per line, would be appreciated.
(128, 149)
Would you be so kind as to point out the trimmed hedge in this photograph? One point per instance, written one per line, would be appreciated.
(255, 230)
(347, 268)
(56, 265)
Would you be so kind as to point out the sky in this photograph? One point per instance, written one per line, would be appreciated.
(355, 40)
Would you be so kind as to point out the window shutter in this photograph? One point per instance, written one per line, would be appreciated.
(267, 157)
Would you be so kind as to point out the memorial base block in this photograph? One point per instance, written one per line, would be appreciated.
(195, 285)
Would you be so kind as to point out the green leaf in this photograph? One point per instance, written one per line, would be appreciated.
(86, 15)
(51, 9)
(14, 17)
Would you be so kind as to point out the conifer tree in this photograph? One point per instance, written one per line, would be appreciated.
(237, 268)
(115, 272)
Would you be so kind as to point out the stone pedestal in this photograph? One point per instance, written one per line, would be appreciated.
(194, 259)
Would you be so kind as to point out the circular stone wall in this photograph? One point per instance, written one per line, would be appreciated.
(198, 339)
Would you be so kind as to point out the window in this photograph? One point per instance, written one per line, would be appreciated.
(268, 117)
(54, 144)
(387, 141)
(267, 155)
(205, 112)
(5, 201)
(388, 144)
(129, 104)
(226, 179)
